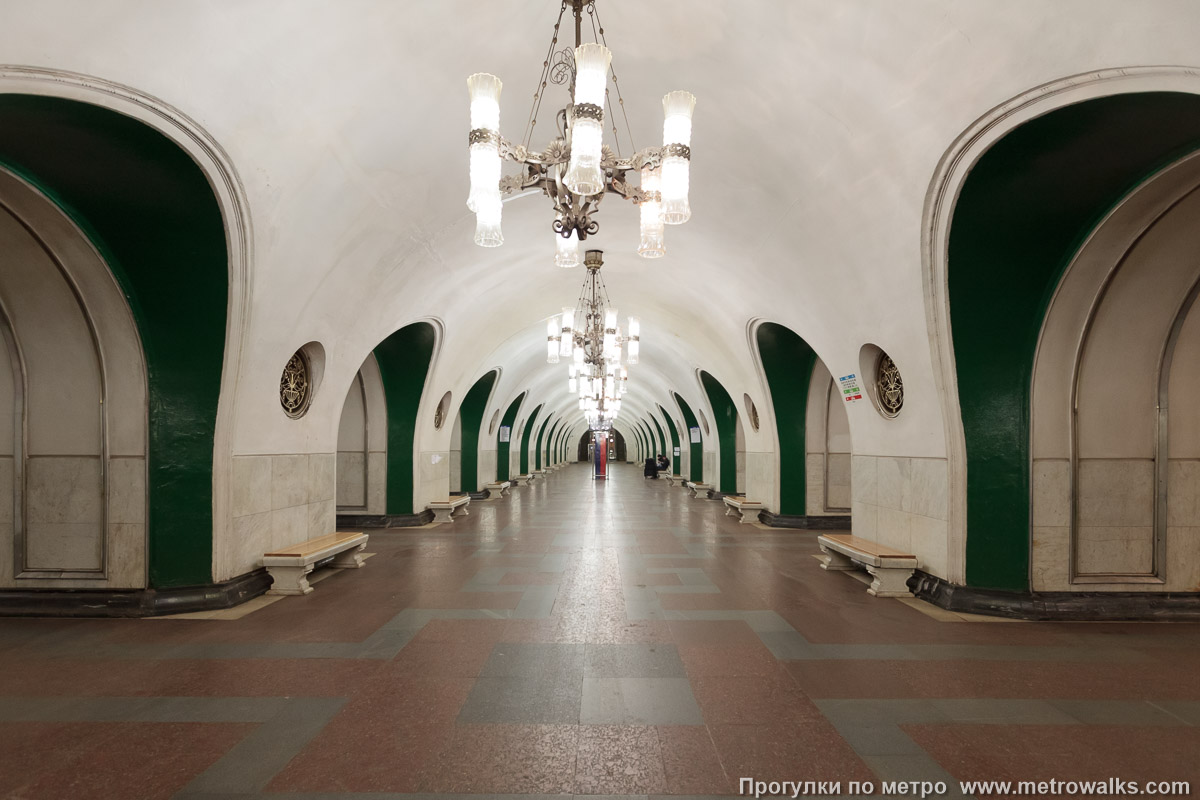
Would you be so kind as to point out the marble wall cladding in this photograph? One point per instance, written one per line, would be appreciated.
(6, 491)
(456, 471)
(65, 513)
(711, 474)
(902, 503)
(433, 478)
(487, 466)
(740, 458)
(351, 479)
(278, 500)
(837, 479)
(1115, 531)
(760, 478)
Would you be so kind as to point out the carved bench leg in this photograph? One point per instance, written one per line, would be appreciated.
(835, 560)
(494, 494)
(462, 511)
(889, 582)
(290, 580)
(442, 514)
(349, 559)
(749, 515)
(730, 511)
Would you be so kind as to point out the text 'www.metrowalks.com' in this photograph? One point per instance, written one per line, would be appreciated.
(750, 787)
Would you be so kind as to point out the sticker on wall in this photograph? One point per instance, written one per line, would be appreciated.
(695, 435)
(851, 391)
(677, 452)
(505, 433)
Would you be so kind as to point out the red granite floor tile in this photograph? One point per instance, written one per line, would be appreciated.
(753, 700)
(709, 602)
(616, 759)
(807, 751)
(653, 579)
(353, 754)
(506, 759)
(466, 600)
(850, 679)
(148, 760)
(703, 661)
(617, 631)
(714, 633)
(530, 579)
(1063, 752)
(462, 630)
(443, 659)
(556, 630)
(690, 761)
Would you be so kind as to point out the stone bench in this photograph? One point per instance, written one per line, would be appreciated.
(446, 510)
(674, 479)
(890, 568)
(289, 567)
(699, 490)
(521, 480)
(748, 508)
(497, 489)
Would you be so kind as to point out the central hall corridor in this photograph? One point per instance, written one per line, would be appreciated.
(589, 638)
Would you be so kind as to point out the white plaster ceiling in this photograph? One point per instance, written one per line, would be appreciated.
(817, 130)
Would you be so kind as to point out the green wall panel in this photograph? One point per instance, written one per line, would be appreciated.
(471, 413)
(696, 449)
(537, 456)
(725, 418)
(1024, 210)
(502, 448)
(403, 361)
(151, 214)
(788, 362)
(549, 450)
(674, 440)
(525, 434)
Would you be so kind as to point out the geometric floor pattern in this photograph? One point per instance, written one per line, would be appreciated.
(586, 638)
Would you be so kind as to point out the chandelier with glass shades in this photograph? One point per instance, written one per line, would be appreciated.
(596, 372)
(576, 169)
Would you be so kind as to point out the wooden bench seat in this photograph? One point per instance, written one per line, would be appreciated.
(496, 489)
(289, 566)
(446, 510)
(890, 568)
(699, 490)
(748, 509)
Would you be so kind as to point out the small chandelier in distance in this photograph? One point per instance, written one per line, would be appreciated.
(576, 169)
(596, 372)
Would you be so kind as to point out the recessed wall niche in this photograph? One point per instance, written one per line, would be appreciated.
(443, 408)
(751, 411)
(882, 380)
(300, 378)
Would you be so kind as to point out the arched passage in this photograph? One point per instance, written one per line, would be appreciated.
(526, 436)
(1021, 214)
(725, 417)
(695, 441)
(403, 359)
(674, 452)
(141, 201)
(362, 444)
(504, 438)
(469, 422)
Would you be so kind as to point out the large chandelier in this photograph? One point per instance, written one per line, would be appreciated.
(576, 168)
(596, 372)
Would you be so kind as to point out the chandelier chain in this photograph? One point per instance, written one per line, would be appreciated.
(540, 90)
(616, 85)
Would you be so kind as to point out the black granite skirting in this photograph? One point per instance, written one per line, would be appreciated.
(132, 603)
(354, 521)
(840, 523)
(1097, 606)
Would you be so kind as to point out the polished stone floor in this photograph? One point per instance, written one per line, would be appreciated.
(584, 638)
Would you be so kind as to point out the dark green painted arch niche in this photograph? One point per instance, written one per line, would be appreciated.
(788, 363)
(695, 449)
(471, 413)
(152, 215)
(404, 359)
(1023, 211)
(502, 446)
(725, 417)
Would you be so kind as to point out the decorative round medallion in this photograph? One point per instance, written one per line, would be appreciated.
(439, 414)
(751, 411)
(889, 386)
(295, 386)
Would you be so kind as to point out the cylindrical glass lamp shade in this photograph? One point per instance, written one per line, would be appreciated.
(676, 170)
(571, 388)
(568, 318)
(652, 244)
(610, 319)
(566, 251)
(634, 351)
(484, 90)
(552, 336)
(577, 355)
(487, 221)
(584, 176)
(635, 327)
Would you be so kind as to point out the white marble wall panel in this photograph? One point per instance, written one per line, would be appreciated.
(903, 503)
(456, 471)
(760, 475)
(351, 479)
(487, 466)
(278, 500)
(837, 478)
(64, 504)
(740, 458)
(433, 478)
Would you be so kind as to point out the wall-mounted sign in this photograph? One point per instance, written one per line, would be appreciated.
(851, 391)
(505, 433)
(677, 452)
(695, 434)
